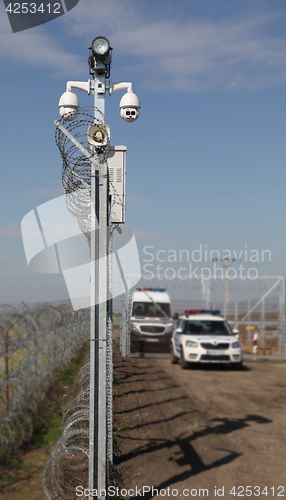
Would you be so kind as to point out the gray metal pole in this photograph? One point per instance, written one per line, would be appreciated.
(249, 334)
(128, 331)
(203, 295)
(124, 317)
(98, 326)
(208, 292)
(94, 335)
(236, 315)
(109, 352)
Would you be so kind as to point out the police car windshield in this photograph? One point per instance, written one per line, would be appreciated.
(204, 327)
(150, 310)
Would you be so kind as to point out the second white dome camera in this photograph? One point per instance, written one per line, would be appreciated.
(129, 107)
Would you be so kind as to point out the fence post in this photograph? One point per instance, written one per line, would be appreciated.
(7, 369)
(282, 341)
(248, 321)
(255, 339)
(262, 323)
(7, 358)
(36, 363)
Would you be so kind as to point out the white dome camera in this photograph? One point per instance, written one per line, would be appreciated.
(69, 106)
(129, 107)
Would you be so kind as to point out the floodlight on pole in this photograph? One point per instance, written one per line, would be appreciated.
(100, 47)
(99, 60)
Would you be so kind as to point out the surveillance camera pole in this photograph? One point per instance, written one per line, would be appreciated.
(100, 245)
(101, 259)
(98, 332)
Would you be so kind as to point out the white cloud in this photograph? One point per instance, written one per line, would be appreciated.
(9, 259)
(12, 230)
(46, 192)
(154, 238)
(145, 234)
(132, 197)
(189, 54)
(277, 191)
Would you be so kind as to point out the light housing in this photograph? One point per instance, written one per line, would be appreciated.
(100, 47)
(100, 59)
(236, 345)
(191, 343)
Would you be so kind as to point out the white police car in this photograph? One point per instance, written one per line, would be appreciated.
(205, 337)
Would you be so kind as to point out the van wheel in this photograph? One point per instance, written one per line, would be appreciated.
(237, 366)
(183, 362)
(174, 359)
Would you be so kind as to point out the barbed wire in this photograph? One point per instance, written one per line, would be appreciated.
(76, 168)
(68, 464)
(33, 342)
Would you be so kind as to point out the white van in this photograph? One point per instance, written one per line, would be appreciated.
(151, 319)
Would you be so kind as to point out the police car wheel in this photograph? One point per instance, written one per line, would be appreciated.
(183, 362)
(174, 359)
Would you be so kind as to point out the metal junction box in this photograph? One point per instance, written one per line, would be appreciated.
(117, 173)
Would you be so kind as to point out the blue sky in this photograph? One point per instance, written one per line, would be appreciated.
(206, 158)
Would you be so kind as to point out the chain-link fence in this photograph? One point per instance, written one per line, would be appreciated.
(255, 307)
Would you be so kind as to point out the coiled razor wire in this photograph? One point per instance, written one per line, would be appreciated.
(76, 168)
(68, 465)
(33, 342)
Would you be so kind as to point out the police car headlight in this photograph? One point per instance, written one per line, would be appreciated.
(136, 327)
(191, 343)
(236, 345)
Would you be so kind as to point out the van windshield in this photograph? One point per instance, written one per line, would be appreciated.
(150, 310)
(207, 328)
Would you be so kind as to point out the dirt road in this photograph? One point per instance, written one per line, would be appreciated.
(202, 432)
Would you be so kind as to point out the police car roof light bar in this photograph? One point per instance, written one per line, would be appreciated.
(202, 311)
